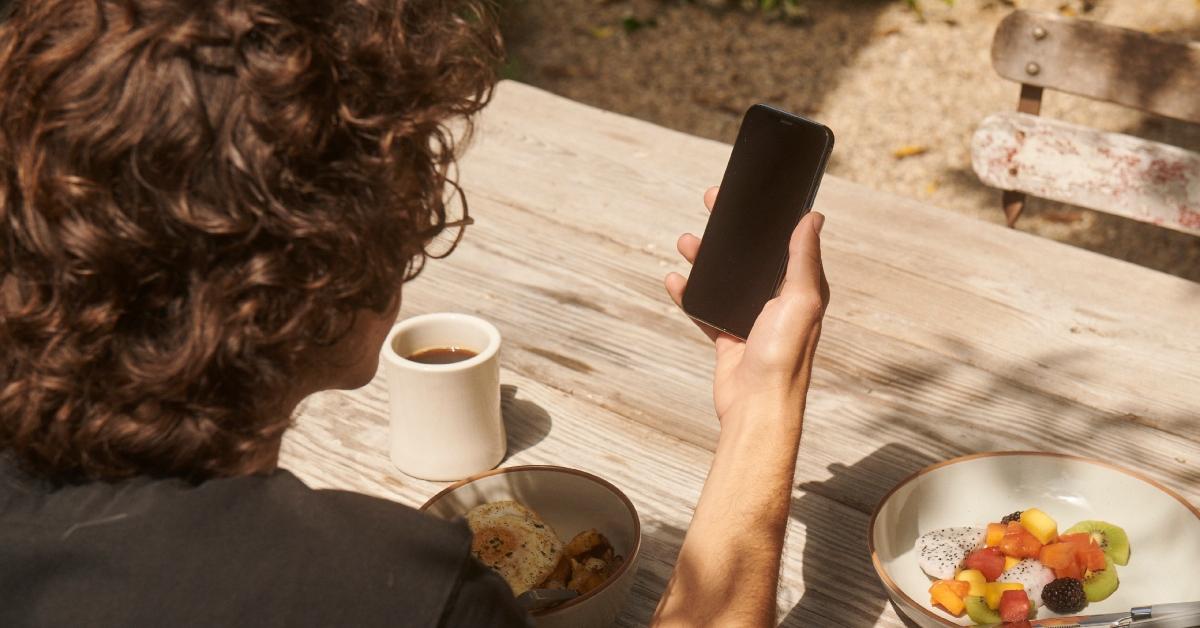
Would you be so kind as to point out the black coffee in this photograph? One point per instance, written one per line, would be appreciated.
(441, 355)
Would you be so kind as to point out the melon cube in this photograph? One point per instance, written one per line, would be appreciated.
(1039, 525)
(975, 578)
(993, 591)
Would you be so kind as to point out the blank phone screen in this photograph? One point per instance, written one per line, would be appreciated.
(772, 176)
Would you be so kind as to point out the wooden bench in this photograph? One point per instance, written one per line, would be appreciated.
(1022, 153)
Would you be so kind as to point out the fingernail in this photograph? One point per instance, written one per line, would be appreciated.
(818, 222)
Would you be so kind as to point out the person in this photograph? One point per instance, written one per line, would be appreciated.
(207, 211)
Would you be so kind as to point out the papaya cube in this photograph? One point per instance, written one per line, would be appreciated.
(1058, 555)
(1019, 542)
(1072, 570)
(1039, 525)
(993, 591)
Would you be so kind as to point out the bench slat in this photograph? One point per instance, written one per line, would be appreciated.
(1110, 172)
(1100, 61)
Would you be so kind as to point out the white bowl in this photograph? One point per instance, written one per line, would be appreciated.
(1163, 528)
(570, 501)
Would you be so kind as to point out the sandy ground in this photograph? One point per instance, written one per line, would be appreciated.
(877, 73)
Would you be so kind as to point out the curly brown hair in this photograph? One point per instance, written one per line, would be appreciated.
(196, 194)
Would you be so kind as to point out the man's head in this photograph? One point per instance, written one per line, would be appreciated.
(201, 198)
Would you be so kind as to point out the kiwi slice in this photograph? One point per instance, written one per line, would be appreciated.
(1098, 585)
(1112, 539)
(978, 611)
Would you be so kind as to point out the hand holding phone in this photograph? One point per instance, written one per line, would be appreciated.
(777, 358)
(759, 389)
(772, 177)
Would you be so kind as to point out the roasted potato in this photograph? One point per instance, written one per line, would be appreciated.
(558, 578)
(587, 561)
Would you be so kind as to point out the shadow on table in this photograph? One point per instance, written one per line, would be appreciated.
(1011, 408)
(989, 411)
(836, 561)
(525, 422)
(1007, 408)
(658, 539)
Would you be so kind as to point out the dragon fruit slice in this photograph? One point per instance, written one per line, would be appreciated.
(941, 552)
(1031, 573)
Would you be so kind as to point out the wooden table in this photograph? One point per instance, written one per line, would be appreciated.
(946, 336)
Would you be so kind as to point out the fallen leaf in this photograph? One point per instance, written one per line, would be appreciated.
(601, 32)
(911, 150)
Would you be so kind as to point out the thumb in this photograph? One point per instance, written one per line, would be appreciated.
(805, 274)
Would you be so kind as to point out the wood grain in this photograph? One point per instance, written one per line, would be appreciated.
(945, 336)
(1100, 61)
(1111, 172)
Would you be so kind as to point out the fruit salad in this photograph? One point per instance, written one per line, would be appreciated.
(1004, 572)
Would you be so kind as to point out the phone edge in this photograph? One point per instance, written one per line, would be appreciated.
(826, 152)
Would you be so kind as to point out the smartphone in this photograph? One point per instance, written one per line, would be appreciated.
(769, 185)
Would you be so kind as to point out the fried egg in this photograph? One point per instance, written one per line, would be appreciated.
(515, 542)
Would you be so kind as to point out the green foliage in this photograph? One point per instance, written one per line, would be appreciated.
(790, 9)
(512, 68)
(771, 5)
(915, 5)
(632, 24)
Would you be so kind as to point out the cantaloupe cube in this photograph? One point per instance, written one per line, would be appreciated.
(1039, 525)
(943, 594)
(995, 532)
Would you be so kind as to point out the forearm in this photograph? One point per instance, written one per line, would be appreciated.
(728, 568)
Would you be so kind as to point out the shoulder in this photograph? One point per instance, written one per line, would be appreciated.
(323, 557)
(342, 520)
(419, 562)
(250, 551)
(338, 543)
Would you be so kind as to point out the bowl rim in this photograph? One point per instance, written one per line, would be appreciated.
(890, 584)
(637, 521)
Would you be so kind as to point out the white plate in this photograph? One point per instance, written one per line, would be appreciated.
(1163, 528)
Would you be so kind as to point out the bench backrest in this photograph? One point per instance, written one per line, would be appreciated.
(1100, 62)
(1109, 172)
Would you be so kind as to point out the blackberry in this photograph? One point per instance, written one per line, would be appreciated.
(1016, 516)
(1064, 595)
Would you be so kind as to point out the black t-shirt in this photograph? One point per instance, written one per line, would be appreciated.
(259, 551)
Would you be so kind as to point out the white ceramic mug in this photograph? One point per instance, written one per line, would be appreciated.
(445, 418)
